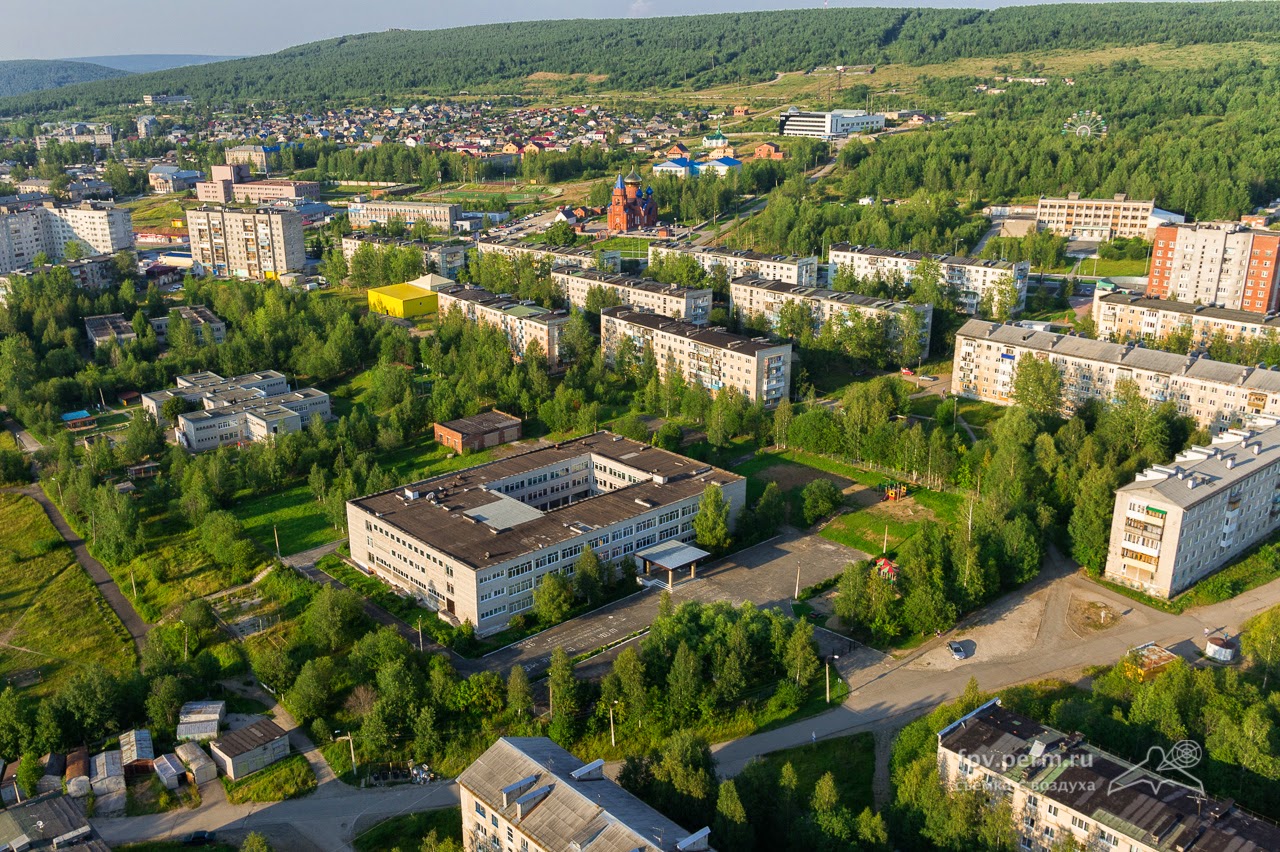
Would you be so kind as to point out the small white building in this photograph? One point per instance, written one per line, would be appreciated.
(106, 773)
(200, 720)
(169, 769)
(200, 769)
(257, 746)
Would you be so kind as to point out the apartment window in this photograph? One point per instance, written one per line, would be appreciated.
(480, 810)
(1053, 810)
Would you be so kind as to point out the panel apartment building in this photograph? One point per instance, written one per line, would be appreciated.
(739, 262)
(447, 259)
(711, 357)
(1223, 264)
(521, 321)
(582, 256)
(1101, 218)
(1122, 316)
(1215, 394)
(1062, 789)
(246, 408)
(971, 277)
(475, 542)
(232, 183)
(27, 230)
(530, 794)
(363, 212)
(752, 295)
(262, 244)
(828, 125)
(1177, 523)
(692, 304)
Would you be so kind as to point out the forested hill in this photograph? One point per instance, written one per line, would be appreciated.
(701, 50)
(29, 75)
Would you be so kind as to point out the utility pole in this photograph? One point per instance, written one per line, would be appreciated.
(829, 659)
(612, 740)
(797, 581)
(419, 634)
(275, 529)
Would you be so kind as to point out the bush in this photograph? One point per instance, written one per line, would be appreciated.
(786, 699)
(229, 658)
(821, 498)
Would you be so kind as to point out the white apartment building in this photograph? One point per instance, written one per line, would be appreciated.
(672, 300)
(529, 794)
(521, 322)
(585, 257)
(1215, 394)
(752, 295)
(27, 230)
(970, 277)
(475, 542)
(262, 244)
(1061, 789)
(1101, 218)
(738, 262)
(362, 213)
(1178, 523)
(231, 418)
(1122, 316)
(1221, 264)
(828, 125)
(711, 357)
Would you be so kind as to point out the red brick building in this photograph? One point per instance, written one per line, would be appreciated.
(478, 432)
(632, 208)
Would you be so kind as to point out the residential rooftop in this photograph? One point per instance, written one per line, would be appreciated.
(1190, 310)
(542, 248)
(1202, 473)
(745, 254)
(505, 304)
(458, 514)
(843, 297)
(634, 282)
(482, 423)
(715, 337)
(917, 256)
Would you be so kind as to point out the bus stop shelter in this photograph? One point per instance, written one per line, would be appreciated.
(672, 556)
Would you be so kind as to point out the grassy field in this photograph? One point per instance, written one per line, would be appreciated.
(977, 413)
(409, 830)
(868, 530)
(149, 796)
(629, 246)
(850, 759)
(52, 618)
(1116, 268)
(291, 778)
(7, 441)
(158, 211)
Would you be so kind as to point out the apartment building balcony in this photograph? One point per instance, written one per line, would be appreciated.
(1155, 531)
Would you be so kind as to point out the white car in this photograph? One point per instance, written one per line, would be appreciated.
(957, 650)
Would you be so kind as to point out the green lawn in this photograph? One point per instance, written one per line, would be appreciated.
(866, 530)
(977, 413)
(407, 832)
(850, 759)
(1113, 268)
(52, 618)
(7, 441)
(629, 246)
(290, 778)
(158, 211)
(293, 513)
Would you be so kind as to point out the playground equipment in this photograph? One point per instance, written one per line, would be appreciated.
(893, 490)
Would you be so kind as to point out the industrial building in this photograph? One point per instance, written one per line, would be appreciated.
(528, 793)
(828, 125)
(584, 257)
(752, 295)
(711, 357)
(1214, 394)
(412, 299)
(1065, 793)
(790, 269)
(253, 747)
(478, 432)
(971, 278)
(1178, 523)
(474, 543)
(692, 304)
(523, 322)
(262, 244)
(1220, 264)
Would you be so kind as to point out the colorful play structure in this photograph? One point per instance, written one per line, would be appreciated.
(893, 490)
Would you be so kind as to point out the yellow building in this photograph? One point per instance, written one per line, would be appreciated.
(414, 299)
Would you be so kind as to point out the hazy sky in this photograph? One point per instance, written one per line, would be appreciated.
(48, 29)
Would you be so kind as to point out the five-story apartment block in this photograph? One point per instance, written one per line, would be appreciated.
(971, 278)
(522, 322)
(692, 304)
(738, 262)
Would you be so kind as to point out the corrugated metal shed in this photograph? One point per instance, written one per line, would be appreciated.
(135, 747)
(200, 768)
(202, 711)
(169, 769)
(106, 772)
(196, 731)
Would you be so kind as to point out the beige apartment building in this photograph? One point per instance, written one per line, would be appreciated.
(584, 257)
(232, 183)
(529, 794)
(1064, 793)
(1100, 219)
(255, 157)
(1178, 523)
(672, 300)
(1215, 394)
(738, 262)
(474, 543)
(1122, 317)
(262, 244)
(522, 322)
(1221, 264)
(447, 259)
(970, 277)
(711, 357)
(362, 213)
(26, 231)
(755, 296)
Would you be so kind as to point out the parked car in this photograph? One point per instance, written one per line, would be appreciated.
(200, 838)
(957, 650)
(907, 371)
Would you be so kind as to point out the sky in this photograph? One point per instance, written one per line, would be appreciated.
(50, 29)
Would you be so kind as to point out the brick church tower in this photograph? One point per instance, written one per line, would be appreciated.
(630, 207)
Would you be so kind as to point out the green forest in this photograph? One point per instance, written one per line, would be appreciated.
(19, 76)
(697, 51)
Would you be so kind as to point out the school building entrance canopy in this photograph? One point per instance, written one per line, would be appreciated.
(671, 557)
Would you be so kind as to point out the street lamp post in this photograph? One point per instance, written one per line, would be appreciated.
(612, 739)
(829, 659)
(351, 742)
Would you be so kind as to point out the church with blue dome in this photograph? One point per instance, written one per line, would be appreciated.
(631, 207)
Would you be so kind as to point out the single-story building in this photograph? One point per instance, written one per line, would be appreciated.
(48, 822)
(8, 782)
(76, 777)
(412, 299)
(136, 752)
(169, 769)
(200, 768)
(487, 429)
(199, 720)
(106, 773)
(249, 749)
(55, 766)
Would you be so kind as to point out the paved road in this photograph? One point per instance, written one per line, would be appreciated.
(106, 585)
(1023, 637)
(26, 441)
